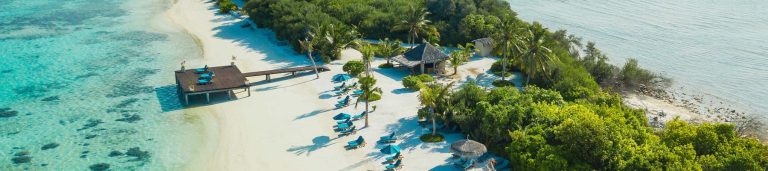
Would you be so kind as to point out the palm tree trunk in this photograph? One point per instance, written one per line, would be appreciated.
(503, 63)
(455, 70)
(366, 111)
(309, 53)
(434, 123)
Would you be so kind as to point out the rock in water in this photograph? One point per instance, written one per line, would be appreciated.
(21, 159)
(49, 146)
(99, 167)
(115, 153)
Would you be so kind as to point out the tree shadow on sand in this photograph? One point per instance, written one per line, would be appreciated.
(313, 113)
(317, 143)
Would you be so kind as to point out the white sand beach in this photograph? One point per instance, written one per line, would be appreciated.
(286, 124)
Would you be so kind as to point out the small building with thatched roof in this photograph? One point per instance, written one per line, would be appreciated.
(484, 46)
(425, 57)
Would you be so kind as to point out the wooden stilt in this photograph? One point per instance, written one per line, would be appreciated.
(229, 93)
(208, 97)
(186, 99)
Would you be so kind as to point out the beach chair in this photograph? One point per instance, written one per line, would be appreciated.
(343, 121)
(353, 85)
(394, 158)
(359, 116)
(359, 142)
(345, 100)
(208, 75)
(343, 85)
(202, 70)
(357, 93)
(349, 131)
(342, 91)
(396, 166)
(388, 139)
(203, 81)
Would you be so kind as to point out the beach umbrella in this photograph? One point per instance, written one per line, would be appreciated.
(390, 149)
(468, 148)
(342, 116)
(341, 77)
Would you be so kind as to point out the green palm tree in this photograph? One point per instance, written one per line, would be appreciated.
(368, 52)
(461, 56)
(308, 45)
(415, 21)
(390, 48)
(431, 96)
(339, 38)
(367, 85)
(508, 43)
(537, 54)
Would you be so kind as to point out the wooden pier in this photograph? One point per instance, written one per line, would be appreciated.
(285, 70)
(226, 79)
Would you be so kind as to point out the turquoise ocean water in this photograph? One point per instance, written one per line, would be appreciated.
(93, 78)
(718, 49)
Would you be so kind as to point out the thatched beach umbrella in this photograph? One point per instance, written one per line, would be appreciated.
(468, 148)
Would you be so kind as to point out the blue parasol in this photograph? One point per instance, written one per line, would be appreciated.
(341, 77)
(390, 149)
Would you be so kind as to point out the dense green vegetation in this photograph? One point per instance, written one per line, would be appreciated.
(416, 82)
(568, 117)
(225, 6)
(546, 132)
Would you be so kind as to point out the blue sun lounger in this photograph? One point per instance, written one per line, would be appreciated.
(359, 142)
(342, 91)
(343, 121)
(353, 85)
(388, 139)
(208, 75)
(343, 85)
(357, 93)
(203, 81)
(345, 100)
(393, 158)
(202, 70)
(395, 166)
(351, 130)
(358, 116)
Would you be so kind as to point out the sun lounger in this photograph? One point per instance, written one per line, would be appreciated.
(353, 85)
(351, 130)
(203, 81)
(341, 92)
(343, 121)
(388, 139)
(345, 100)
(358, 116)
(357, 93)
(394, 158)
(202, 70)
(395, 166)
(208, 75)
(343, 85)
(359, 142)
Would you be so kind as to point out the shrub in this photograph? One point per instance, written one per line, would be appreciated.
(225, 6)
(415, 82)
(354, 68)
(374, 97)
(503, 83)
(432, 138)
(386, 65)
(496, 68)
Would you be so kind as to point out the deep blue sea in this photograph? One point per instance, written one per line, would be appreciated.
(718, 49)
(84, 82)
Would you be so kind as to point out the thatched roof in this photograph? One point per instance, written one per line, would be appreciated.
(425, 53)
(487, 42)
(468, 148)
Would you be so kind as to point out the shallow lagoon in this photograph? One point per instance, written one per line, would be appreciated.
(90, 81)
